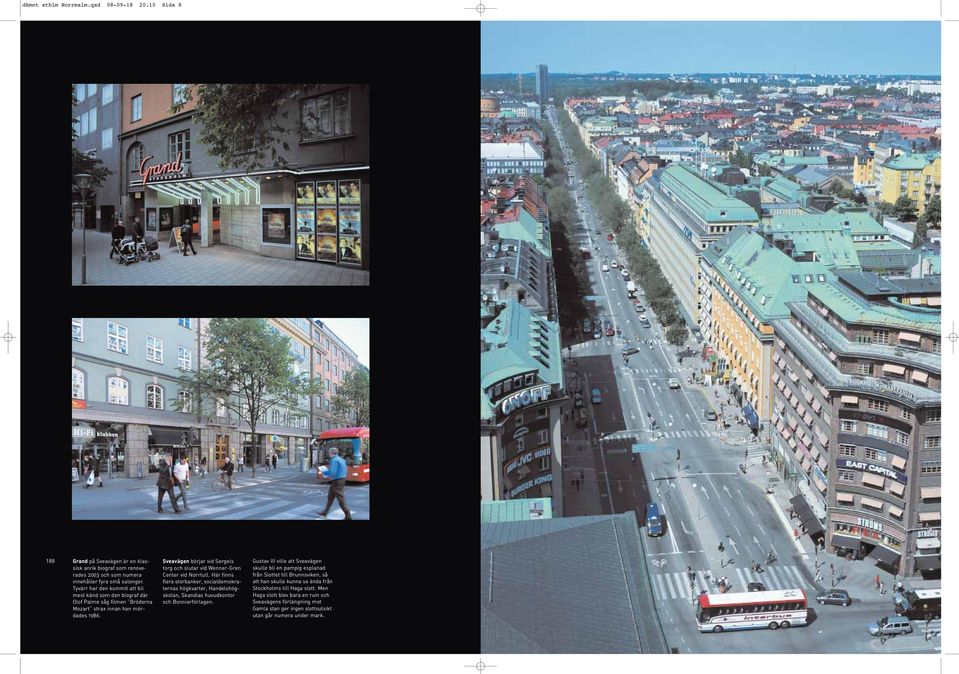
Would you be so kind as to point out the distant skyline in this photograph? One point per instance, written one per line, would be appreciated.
(822, 47)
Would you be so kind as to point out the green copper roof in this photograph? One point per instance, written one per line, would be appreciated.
(785, 189)
(852, 309)
(860, 222)
(802, 161)
(911, 162)
(520, 341)
(529, 229)
(516, 510)
(705, 200)
(764, 277)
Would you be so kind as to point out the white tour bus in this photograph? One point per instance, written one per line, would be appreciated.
(751, 610)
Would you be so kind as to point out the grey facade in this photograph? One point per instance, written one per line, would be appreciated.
(542, 84)
(235, 207)
(101, 102)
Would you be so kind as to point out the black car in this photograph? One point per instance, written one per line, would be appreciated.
(756, 587)
(710, 415)
(840, 597)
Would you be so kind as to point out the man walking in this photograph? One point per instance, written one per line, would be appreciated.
(186, 236)
(181, 475)
(337, 475)
(227, 470)
(119, 231)
(240, 462)
(877, 581)
(165, 483)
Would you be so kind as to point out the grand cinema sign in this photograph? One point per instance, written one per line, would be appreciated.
(171, 169)
(529, 396)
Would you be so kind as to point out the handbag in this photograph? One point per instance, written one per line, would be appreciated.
(90, 479)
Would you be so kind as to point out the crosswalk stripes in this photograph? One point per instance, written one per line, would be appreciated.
(674, 586)
(299, 512)
(686, 434)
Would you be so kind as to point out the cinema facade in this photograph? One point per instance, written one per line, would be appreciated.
(314, 208)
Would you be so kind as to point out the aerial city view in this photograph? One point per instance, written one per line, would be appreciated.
(710, 287)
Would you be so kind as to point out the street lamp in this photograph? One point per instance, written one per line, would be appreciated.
(83, 181)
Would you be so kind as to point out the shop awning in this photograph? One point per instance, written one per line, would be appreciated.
(844, 541)
(930, 516)
(928, 543)
(849, 400)
(921, 377)
(885, 555)
(239, 190)
(871, 502)
(908, 337)
(166, 437)
(893, 369)
(874, 480)
(816, 405)
(806, 515)
(843, 497)
(806, 463)
(896, 488)
(898, 462)
(895, 511)
(930, 492)
(927, 562)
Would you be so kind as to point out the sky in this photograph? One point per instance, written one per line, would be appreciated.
(827, 47)
(355, 333)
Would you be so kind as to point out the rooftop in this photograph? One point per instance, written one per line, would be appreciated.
(524, 150)
(856, 310)
(911, 162)
(706, 201)
(516, 510)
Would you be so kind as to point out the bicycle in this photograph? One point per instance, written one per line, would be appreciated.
(219, 483)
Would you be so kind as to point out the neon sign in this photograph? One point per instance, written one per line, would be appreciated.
(158, 170)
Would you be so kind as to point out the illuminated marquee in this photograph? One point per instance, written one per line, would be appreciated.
(530, 396)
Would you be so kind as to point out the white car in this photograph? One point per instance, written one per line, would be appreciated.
(615, 264)
(605, 267)
(625, 274)
(642, 317)
(674, 383)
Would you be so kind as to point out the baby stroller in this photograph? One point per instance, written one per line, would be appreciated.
(130, 250)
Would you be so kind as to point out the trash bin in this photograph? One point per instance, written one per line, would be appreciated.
(304, 465)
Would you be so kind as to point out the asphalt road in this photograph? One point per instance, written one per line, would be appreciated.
(705, 497)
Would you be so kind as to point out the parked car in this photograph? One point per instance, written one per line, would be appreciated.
(893, 624)
(625, 274)
(614, 264)
(609, 237)
(840, 597)
(587, 326)
(755, 587)
(710, 415)
(643, 322)
(605, 267)
(639, 309)
(642, 317)
(598, 333)
(654, 520)
(597, 398)
(610, 332)
(673, 383)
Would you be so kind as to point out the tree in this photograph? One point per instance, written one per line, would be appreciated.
(351, 404)
(859, 198)
(250, 371)
(241, 123)
(677, 333)
(904, 209)
(933, 212)
(84, 163)
(919, 235)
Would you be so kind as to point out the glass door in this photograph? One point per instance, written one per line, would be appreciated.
(305, 221)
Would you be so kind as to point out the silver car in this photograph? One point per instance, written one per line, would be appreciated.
(894, 624)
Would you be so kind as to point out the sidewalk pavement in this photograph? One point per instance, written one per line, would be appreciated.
(215, 265)
(123, 485)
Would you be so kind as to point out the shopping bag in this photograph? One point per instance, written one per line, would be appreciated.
(90, 478)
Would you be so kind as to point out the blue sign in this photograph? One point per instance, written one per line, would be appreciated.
(872, 468)
(639, 448)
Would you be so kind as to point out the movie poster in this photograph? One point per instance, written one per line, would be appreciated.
(304, 233)
(350, 250)
(326, 248)
(304, 194)
(350, 220)
(305, 246)
(349, 193)
(326, 193)
(326, 220)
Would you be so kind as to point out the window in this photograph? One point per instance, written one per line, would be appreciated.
(327, 364)
(154, 349)
(185, 399)
(880, 336)
(927, 467)
(155, 397)
(79, 392)
(118, 390)
(136, 108)
(545, 462)
(106, 138)
(107, 95)
(863, 368)
(904, 414)
(80, 91)
(220, 407)
(902, 438)
(336, 372)
(847, 426)
(84, 124)
(543, 438)
(326, 116)
(875, 454)
(334, 388)
(877, 430)
(542, 413)
(878, 405)
(184, 358)
(327, 405)
(179, 143)
(847, 450)
(821, 278)
(184, 322)
(846, 475)
(336, 353)
(932, 416)
(808, 278)
(78, 330)
(275, 417)
(932, 442)
(91, 90)
(179, 93)
(327, 389)
(116, 337)
(326, 344)
(93, 120)
(276, 225)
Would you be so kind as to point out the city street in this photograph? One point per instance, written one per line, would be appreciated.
(216, 265)
(690, 466)
(284, 494)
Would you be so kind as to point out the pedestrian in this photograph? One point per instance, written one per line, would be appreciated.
(882, 587)
(117, 234)
(582, 475)
(337, 475)
(181, 479)
(227, 470)
(274, 460)
(203, 467)
(137, 232)
(831, 569)
(186, 236)
(877, 581)
(165, 483)
(267, 463)
(746, 456)
(796, 535)
(239, 462)
(818, 576)
(95, 467)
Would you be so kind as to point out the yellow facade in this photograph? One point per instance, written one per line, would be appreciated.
(799, 122)
(919, 185)
(748, 356)
(862, 171)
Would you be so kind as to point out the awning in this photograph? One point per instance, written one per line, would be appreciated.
(820, 485)
(933, 301)
(806, 515)
(808, 419)
(898, 462)
(893, 369)
(849, 400)
(844, 541)
(871, 502)
(843, 497)
(896, 488)
(230, 190)
(801, 409)
(885, 555)
(908, 337)
(816, 405)
(930, 492)
(920, 376)
(806, 463)
(807, 395)
(874, 480)
(930, 517)
(793, 376)
(895, 511)
(928, 543)
(927, 562)
(822, 463)
(793, 422)
(751, 416)
(167, 437)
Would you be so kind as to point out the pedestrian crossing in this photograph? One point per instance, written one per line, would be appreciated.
(655, 370)
(685, 434)
(676, 586)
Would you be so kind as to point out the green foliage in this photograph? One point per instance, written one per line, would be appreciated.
(933, 212)
(920, 234)
(351, 404)
(83, 163)
(904, 209)
(677, 333)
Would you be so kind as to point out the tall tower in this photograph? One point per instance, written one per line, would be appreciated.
(519, 78)
(542, 89)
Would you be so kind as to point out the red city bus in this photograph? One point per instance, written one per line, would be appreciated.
(354, 446)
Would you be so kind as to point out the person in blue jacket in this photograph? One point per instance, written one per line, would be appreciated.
(337, 475)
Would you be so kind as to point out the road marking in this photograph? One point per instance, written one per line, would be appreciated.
(294, 513)
(243, 514)
(669, 584)
(685, 530)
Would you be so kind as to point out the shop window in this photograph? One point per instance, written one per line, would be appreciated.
(117, 337)
(276, 225)
(79, 387)
(78, 330)
(118, 391)
(154, 349)
(326, 116)
(155, 397)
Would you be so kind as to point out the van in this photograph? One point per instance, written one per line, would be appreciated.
(654, 520)
(894, 624)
